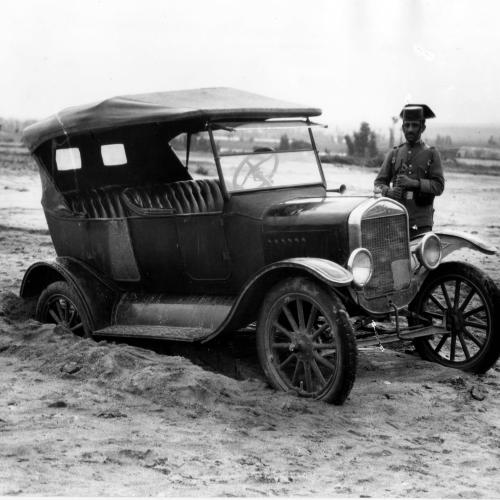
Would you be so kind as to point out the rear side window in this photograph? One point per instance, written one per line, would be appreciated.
(68, 159)
(113, 155)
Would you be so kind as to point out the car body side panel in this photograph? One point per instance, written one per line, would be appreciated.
(244, 214)
(203, 247)
(155, 244)
(243, 236)
(104, 244)
(204, 312)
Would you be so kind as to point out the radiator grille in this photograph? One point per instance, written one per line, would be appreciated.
(387, 240)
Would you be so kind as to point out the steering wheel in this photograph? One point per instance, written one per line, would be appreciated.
(249, 167)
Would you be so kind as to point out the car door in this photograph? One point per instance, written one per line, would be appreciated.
(203, 247)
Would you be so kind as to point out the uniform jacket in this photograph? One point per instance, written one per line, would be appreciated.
(417, 162)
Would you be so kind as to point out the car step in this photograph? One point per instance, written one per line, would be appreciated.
(175, 333)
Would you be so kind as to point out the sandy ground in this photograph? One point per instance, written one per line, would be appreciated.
(82, 417)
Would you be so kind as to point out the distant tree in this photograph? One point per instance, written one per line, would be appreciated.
(361, 139)
(492, 142)
(391, 137)
(443, 141)
(350, 145)
(300, 144)
(363, 143)
(372, 145)
(284, 143)
(394, 120)
(199, 143)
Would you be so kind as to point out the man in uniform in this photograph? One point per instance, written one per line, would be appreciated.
(414, 170)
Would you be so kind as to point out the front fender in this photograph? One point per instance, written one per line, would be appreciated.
(455, 240)
(331, 273)
(96, 293)
(247, 304)
(451, 241)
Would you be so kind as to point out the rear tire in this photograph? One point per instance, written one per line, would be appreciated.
(466, 302)
(60, 304)
(305, 341)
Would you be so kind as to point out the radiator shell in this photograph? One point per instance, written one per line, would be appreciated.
(381, 226)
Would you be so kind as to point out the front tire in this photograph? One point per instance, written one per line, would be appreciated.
(60, 304)
(462, 299)
(305, 341)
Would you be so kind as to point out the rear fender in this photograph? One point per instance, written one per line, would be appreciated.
(97, 294)
(247, 304)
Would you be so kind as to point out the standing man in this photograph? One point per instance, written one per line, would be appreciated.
(415, 171)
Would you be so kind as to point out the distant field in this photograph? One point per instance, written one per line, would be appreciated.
(13, 147)
(477, 162)
(474, 166)
(15, 156)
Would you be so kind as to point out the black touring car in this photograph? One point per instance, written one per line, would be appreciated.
(189, 215)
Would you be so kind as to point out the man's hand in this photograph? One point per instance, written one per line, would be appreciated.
(380, 190)
(396, 193)
(406, 182)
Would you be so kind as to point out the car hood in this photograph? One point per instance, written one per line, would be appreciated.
(314, 212)
(309, 227)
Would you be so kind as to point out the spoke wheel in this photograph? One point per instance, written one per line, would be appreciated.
(464, 301)
(60, 305)
(305, 341)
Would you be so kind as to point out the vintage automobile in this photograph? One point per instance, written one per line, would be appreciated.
(192, 214)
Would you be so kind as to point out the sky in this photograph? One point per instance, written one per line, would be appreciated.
(355, 59)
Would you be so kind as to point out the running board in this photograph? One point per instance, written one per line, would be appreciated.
(185, 318)
(394, 337)
(174, 333)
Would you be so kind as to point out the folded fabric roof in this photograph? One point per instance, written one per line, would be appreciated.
(218, 103)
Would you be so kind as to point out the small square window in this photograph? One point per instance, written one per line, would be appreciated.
(113, 155)
(68, 159)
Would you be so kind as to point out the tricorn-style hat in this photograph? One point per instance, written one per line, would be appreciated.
(416, 112)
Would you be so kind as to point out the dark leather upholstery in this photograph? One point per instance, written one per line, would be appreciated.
(101, 203)
(184, 197)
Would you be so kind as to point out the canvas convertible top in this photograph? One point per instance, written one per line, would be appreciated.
(218, 103)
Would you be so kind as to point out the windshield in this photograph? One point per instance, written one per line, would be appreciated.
(266, 155)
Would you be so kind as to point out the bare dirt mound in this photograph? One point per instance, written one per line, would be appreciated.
(169, 380)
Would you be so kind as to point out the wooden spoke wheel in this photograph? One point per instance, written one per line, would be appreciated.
(59, 304)
(305, 341)
(464, 301)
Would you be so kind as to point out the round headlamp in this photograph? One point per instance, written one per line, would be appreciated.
(429, 251)
(360, 264)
